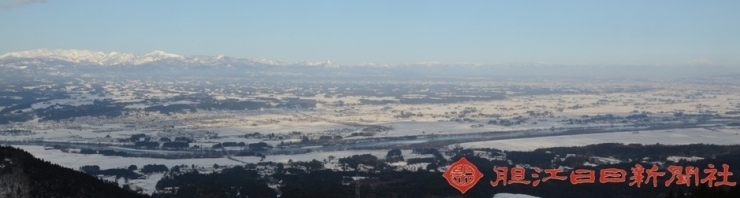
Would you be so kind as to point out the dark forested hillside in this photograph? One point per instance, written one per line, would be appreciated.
(22, 175)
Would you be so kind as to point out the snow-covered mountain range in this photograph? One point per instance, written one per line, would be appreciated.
(86, 62)
(46, 57)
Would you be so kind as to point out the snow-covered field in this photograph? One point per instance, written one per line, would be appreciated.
(75, 161)
(544, 113)
(728, 136)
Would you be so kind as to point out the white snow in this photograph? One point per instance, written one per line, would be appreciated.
(118, 58)
(149, 184)
(669, 137)
(676, 159)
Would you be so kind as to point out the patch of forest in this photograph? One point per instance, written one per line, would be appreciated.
(22, 175)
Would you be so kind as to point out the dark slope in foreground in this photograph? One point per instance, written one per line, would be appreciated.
(22, 175)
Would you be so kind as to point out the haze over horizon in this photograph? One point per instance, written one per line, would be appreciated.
(654, 33)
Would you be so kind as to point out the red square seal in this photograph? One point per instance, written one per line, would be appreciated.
(462, 175)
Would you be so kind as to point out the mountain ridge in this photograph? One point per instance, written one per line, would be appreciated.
(46, 62)
(99, 58)
(89, 57)
(44, 56)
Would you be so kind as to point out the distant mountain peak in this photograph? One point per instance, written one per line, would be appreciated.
(327, 63)
(159, 53)
(75, 57)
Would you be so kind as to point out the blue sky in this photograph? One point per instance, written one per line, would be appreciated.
(388, 32)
